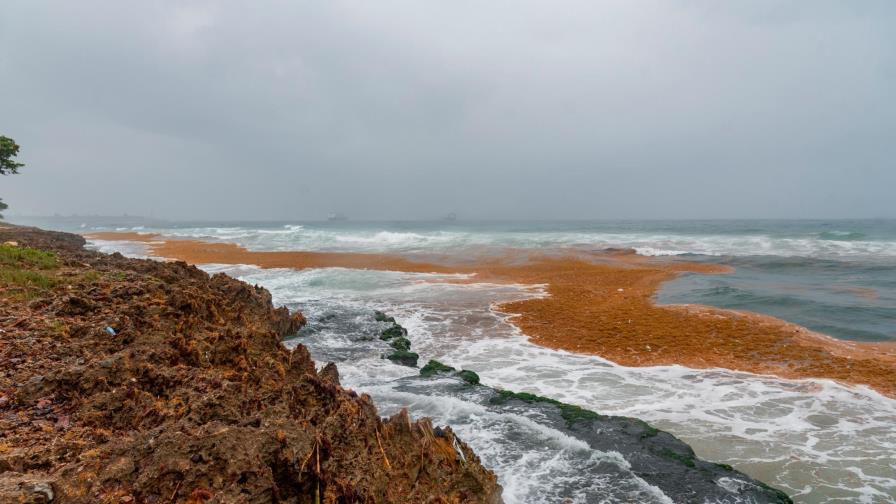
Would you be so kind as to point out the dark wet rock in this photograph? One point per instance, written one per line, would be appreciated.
(401, 343)
(434, 367)
(468, 376)
(656, 456)
(395, 331)
(404, 358)
(568, 412)
(382, 317)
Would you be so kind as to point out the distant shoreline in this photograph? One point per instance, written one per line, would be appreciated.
(603, 303)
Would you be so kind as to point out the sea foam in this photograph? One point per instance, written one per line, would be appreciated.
(422, 239)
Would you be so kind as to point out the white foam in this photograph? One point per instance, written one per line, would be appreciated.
(324, 238)
(368, 239)
(777, 430)
(138, 250)
(524, 473)
(815, 439)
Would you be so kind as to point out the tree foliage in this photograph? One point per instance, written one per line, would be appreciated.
(8, 150)
(8, 166)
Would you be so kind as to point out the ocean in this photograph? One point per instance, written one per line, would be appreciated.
(834, 277)
(819, 441)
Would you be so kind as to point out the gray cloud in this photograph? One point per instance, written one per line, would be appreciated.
(293, 109)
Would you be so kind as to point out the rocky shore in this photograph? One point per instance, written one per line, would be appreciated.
(603, 303)
(656, 456)
(125, 380)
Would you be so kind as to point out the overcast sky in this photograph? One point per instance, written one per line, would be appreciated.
(413, 109)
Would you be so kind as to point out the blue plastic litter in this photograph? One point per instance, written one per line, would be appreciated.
(110, 331)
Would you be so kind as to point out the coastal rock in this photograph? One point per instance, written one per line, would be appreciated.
(656, 456)
(401, 343)
(74, 305)
(25, 489)
(468, 376)
(404, 358)
(396, 331)
(329, 374)
(193, 398)
(434, 367)
(297, 321)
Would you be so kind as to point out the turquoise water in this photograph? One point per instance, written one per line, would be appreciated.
(854, 300)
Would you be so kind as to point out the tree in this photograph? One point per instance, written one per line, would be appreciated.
(8, 166)
(8, 150)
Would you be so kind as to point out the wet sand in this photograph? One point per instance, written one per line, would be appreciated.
(603, 303)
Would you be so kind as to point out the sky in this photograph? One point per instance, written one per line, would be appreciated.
(413, 109)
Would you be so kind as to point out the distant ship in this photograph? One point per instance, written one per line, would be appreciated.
(450, 217)
(337, 217)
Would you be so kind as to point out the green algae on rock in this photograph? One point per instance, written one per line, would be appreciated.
(569, 412)
(468, 376)
(382, 317)
(404, 358)
(396, 331)
(401, 343)
(434, 367)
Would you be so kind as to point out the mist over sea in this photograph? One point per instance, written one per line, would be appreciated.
(820, 441)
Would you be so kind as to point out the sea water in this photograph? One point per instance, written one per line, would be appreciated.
(817, 440)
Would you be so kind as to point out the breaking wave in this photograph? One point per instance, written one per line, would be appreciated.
(842, 245)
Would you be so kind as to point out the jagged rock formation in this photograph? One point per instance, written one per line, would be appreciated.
(126, 380)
